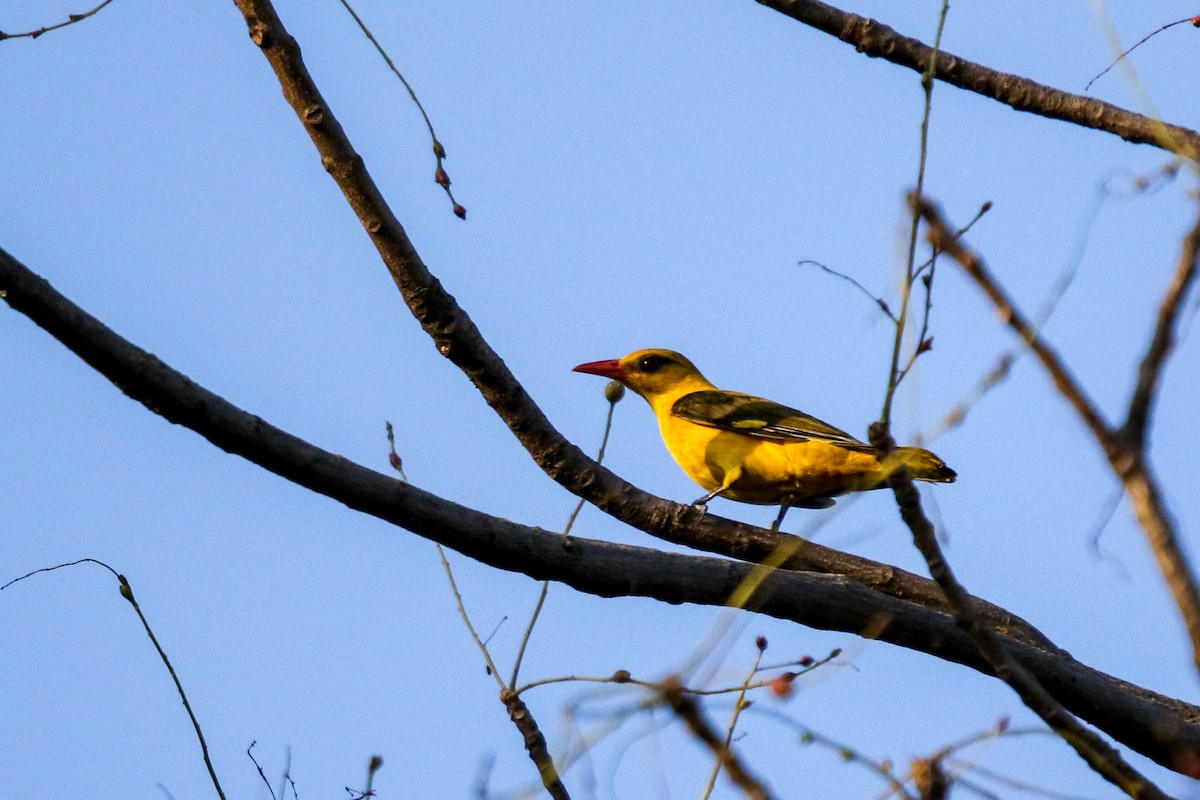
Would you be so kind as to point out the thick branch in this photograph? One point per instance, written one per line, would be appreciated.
(457, 338)
(1161, 728)
(878, 40)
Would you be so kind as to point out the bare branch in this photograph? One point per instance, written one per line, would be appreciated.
(879, 301)
(1162, 342)
(1161, 728)
(1194, 20)
(440, 176)
(71, 20)
(458, 339)
(127, 592)
(687, 709)
(1097, 753)
(535, 744)
(1126, 454)
(943, 239)
(878, 40)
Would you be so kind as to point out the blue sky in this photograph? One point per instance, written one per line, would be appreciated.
(644, 175)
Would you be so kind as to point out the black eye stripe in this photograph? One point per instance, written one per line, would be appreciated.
(652, 363)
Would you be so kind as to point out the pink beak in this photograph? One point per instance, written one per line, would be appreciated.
(609, 369)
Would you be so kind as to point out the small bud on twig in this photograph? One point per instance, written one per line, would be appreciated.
(614, 391)
(781, 685)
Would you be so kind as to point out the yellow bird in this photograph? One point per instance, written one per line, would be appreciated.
(746, 448)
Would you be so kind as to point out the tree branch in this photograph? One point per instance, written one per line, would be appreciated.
(688, 709)
(944, 240)
(879, 41)
(1162, 341)
(1126, 454)
(1159, 727)
(71, 20)
(458, 339)
(1097, 753)
(535, 744)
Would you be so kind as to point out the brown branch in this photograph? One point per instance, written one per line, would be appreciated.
(1097, 753)
(535, 744)
(944, 240)
(1125, 53)
(879, 41)
(687, 709)
(1162, 342)
(457, 338)
(71, 20)
(440, 176)
(930, 778)
(127, 593)
(1161, 728)
(1126, 453)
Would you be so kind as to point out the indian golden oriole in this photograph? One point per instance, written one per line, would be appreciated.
(746, 448)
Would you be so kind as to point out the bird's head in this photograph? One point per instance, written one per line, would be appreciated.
(651, 373)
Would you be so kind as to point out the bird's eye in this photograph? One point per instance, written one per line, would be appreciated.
(652, 363)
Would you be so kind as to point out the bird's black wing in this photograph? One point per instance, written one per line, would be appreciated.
(762, 419)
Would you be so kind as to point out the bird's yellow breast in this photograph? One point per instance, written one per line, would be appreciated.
(764, 471)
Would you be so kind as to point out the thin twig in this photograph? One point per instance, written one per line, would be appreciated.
(879, 301)
(894, 373)
(883, 769)
(535, 744)
(441, 177)
(739, 705)
(127, 593)
(624, 677)
(466, 618)
(71, 20)
(1194, 20)
(258, 767)
(285, 780)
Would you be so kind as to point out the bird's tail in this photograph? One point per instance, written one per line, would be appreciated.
(924, 465)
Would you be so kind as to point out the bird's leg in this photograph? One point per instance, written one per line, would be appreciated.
(702, 503)
(783, 509)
